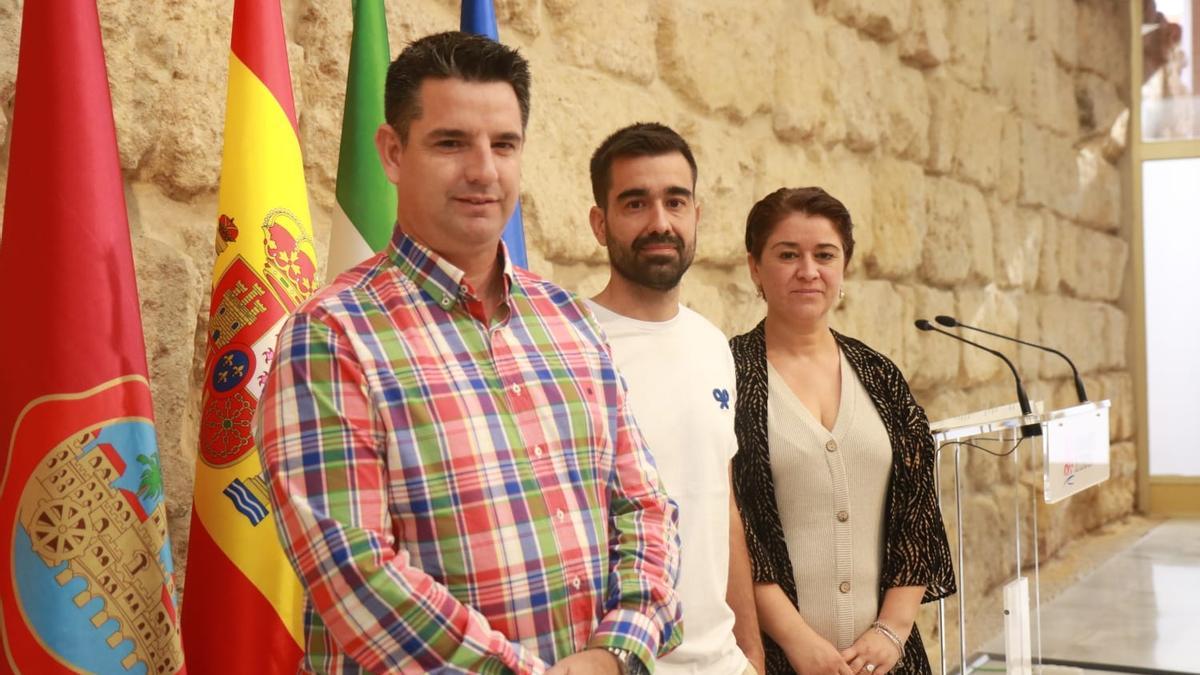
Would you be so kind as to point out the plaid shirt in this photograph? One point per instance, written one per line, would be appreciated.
(460, 495)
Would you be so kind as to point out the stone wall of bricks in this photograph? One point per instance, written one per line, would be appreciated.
(976, 144)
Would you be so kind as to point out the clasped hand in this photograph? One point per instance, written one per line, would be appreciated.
(871, 648)
(814, 655)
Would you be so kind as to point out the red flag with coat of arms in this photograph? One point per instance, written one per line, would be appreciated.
(85, 561)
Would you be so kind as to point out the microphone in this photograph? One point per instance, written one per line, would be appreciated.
(951, 322)
(1022, 397)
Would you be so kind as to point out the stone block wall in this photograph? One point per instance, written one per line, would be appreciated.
(975, 143)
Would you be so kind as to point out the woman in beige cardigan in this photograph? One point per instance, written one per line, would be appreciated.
(834, 474)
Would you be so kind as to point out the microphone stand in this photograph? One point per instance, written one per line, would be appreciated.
(1022, 398)
(951, 322)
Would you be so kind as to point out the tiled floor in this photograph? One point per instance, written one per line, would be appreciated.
(1140, 610)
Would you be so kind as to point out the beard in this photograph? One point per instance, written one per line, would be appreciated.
(656, 271)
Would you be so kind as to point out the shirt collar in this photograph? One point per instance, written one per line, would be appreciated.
(436, 276)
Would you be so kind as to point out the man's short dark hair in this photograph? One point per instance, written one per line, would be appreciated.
(442, 56)
(811, 201)
(644, 139)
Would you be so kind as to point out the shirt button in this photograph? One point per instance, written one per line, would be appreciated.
(844, 587)
(843, 516)
(537, 451)
(831, 445)
(516, 389)
(560, 515)
(446, 302)
(575, 583)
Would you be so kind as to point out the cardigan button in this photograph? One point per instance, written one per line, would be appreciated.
(844, 587)
(843, 516)
(831, 445)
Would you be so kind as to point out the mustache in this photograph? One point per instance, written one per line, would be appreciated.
(657, 239)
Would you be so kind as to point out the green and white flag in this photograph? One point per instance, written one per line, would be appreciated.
(366, 201)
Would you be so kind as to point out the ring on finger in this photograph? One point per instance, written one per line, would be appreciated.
(871, 667)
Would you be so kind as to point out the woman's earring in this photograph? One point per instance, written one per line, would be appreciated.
(759, 292)
(841, 293)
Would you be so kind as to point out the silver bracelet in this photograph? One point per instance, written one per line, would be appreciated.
(886, 631)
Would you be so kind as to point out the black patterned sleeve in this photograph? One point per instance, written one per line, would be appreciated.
(920, 554)
(760, 563)
(753, 486)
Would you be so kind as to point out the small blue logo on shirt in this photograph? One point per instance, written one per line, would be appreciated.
(722, 397)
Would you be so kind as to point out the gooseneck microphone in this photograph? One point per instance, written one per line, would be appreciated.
(1022, 397)
(951, 322)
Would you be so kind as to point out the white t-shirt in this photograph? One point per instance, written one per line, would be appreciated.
(681, 391)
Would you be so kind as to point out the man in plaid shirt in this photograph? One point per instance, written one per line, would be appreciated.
(455, 474)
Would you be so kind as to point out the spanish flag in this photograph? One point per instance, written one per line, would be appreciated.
(243, 604)
(85, 562)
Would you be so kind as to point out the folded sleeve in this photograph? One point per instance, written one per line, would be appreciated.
(643, 613)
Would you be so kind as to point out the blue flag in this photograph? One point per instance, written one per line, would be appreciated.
(479, 17)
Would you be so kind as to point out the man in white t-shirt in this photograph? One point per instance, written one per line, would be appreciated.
(680, 375)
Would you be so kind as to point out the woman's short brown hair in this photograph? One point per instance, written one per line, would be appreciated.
(812, 201)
